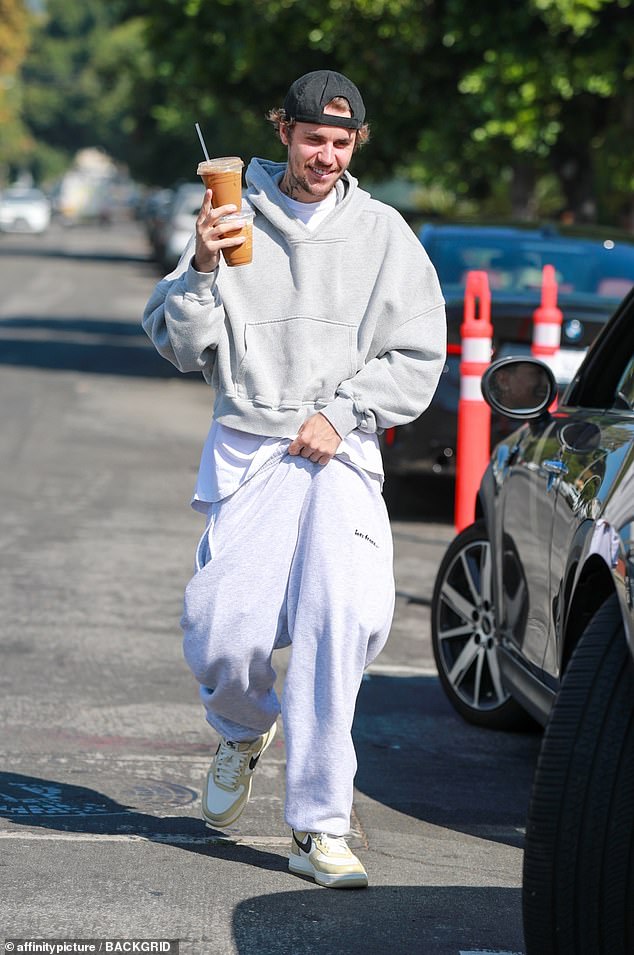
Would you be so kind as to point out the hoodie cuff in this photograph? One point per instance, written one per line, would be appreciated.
(200, 284)
(343, 417)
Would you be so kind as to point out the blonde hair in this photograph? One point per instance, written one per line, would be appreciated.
(339, 105)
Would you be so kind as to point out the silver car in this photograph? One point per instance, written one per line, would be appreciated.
(179, 222)
(24, 210)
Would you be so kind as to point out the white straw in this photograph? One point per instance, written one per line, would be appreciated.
(202, 142)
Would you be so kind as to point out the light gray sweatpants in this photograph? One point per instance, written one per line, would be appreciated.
(301, 553)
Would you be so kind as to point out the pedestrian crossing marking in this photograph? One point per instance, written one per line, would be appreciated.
(184, 839)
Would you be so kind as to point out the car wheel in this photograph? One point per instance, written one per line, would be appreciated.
(578, 891)
(464, 634)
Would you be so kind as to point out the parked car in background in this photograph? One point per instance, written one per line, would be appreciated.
(174, 221)
(24, 210)
(533, 613)
(593, 274)
(152, 213)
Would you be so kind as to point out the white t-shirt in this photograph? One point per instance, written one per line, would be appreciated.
(311, 213)
(231, 457)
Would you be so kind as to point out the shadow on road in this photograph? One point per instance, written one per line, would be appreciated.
(426, 918)
(63, 807)
(419, 757)
(427, 498)
(416, 756)
(33, 247)
(96, 346)
(414, 920)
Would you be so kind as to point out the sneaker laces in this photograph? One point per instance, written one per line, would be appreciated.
(332, 842)
(229, 764)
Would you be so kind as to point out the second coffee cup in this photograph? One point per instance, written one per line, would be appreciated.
(242, 224)
(224, 177)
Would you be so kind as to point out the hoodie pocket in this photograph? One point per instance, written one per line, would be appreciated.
(294, 361)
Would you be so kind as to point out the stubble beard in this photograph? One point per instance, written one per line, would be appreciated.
(294, 186)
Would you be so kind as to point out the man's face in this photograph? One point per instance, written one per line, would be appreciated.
(317, 157)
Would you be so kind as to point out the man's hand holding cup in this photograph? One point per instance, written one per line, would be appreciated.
(223, 225)
(212, 235)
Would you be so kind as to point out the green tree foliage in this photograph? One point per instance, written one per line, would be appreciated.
(14, 28)
(552, 90)
(478, 98)
(90, 80)
(62, 91)
(230, 61)
(523, 108)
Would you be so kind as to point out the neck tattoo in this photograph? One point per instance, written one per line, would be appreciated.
(290, 186)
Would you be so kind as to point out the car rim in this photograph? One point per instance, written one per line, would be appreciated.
(466, 629)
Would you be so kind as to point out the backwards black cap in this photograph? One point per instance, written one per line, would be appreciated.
(307, 97)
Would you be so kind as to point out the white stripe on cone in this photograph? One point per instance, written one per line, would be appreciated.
(476, 349)
(546, 333)
(470, 388)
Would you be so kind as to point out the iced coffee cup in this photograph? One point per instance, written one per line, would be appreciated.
(243, 222)
(224, 177)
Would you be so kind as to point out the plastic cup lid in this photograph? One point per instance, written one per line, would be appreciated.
(222, 164)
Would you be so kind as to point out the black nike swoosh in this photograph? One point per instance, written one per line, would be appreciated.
(306, 845)
(253, 762)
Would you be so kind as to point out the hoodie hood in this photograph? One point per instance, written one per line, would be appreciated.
(263, 193)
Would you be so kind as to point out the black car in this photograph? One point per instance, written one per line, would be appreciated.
(593, 275)
(533, 614)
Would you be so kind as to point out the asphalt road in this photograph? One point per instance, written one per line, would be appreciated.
(104, 747)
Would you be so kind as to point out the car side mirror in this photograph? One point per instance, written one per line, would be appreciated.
(521, 388)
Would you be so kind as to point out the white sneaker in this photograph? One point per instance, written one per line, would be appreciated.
(326, 859)
(228, 785)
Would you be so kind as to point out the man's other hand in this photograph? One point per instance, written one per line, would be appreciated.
(316, 440)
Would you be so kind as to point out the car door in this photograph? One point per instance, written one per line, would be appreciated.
(557, 477)
(525, 515)
(594, 447)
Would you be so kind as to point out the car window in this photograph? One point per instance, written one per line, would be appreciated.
(24, 195)
(624, 397)
(192, 206)
(609, 365)
(188, 202)
(515, 264)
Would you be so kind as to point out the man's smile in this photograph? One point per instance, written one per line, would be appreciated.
(320, 172)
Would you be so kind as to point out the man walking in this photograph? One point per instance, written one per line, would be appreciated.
(335, 331)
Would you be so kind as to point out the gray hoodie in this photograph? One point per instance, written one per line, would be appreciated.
(347, 319)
